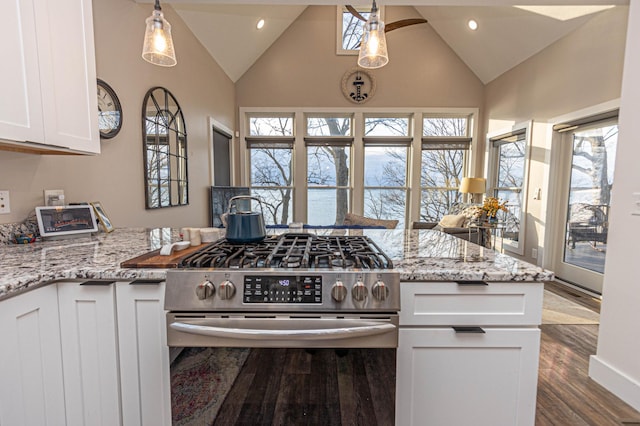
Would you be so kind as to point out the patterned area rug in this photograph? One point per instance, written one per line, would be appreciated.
(200, 381)
(558, 310)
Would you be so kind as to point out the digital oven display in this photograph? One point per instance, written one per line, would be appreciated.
(282, 289)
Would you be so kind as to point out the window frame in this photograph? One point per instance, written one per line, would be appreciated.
(340, 9)
(357, 199)
(493, 143)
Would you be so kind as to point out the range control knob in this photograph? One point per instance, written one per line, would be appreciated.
(380, 291)
(359, 291)
(338, 291)
(205, 289)
(226, 290)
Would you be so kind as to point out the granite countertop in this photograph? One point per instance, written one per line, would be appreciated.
(423, 255)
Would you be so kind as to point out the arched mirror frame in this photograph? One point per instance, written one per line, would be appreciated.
(164, 146)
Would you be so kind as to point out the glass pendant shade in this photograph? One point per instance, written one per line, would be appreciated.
(158, 44)
(373, 48)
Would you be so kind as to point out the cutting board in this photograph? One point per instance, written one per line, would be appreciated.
(153, 259)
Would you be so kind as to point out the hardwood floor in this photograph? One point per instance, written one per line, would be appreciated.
(566, 394)
(316, 387)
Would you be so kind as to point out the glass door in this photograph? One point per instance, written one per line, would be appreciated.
(588, 181)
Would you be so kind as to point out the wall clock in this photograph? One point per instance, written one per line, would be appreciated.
(358, 85)
(109, 111)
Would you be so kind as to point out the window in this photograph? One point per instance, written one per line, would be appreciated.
(350, 29)
(165, 150)
(445, 143)
(270, 147)
(314, 165)
(510, 158)
(387, 140)
(328, 144)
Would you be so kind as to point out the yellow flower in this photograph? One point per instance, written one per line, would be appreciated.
(492, 205)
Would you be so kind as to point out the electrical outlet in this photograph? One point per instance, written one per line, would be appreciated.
(534, 253)
(54, 197)
(5, 205)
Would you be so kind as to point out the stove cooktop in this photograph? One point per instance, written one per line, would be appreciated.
(292, 251)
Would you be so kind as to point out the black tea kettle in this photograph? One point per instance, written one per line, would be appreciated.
(244, 226)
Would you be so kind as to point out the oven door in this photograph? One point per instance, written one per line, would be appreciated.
(282, 330)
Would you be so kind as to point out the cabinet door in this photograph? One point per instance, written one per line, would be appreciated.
(89, 353)
(66, 56)
(144, 355)
(20, 105)
(446, 378)
(31, 384)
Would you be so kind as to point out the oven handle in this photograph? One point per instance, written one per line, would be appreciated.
(325, 330)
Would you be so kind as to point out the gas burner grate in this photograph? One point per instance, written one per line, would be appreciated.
(292, 251)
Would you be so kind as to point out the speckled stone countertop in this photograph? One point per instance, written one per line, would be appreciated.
(423, 255)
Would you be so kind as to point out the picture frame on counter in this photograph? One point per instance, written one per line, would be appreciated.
(58, 221)
(102, 217)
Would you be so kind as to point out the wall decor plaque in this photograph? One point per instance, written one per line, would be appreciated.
(358, 85)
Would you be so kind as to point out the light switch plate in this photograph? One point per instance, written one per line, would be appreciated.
(54, 197)
(5, 204)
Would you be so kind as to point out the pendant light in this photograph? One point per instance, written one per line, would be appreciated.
(158, 44)
(373, 48)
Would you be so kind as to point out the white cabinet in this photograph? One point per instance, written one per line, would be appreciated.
(144, 355)
(31, 382)
(468, 354)
(48, 77)
(89, 352)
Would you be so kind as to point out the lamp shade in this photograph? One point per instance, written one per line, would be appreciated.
(472, 185)
(158, 44)
(373, 48)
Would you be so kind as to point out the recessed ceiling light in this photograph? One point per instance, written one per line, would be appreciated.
(260, 24)
(473, 25)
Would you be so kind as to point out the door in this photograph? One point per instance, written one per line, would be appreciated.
(31, 382)
(588, 161)
(144, 355)
(89, 352)
(221, 158)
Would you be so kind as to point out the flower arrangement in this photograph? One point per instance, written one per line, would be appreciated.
(492, 205)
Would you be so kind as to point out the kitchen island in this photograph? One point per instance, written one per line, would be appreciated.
(419, 255)
(94, 342)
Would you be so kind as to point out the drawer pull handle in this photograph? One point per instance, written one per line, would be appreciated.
(146, 281)
(97, 282)
(477, 282)
(469, 330)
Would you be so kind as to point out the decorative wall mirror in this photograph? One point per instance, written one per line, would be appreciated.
(164, 144)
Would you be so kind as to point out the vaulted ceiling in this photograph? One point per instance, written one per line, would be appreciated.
(506, 35)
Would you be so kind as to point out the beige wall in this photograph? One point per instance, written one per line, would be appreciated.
(580, 70)
(115, 177)
(302, 69)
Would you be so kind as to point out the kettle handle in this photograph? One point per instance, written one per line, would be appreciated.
(238, 197)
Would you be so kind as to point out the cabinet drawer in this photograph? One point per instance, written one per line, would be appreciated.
(452, 303)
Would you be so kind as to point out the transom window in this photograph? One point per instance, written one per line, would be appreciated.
(350, 28)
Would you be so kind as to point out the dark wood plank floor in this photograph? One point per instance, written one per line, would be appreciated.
(320, 387)
(566, 394)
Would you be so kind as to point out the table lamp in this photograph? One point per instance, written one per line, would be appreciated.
(472, 186)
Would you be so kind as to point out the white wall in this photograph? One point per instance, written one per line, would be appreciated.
(616, 364)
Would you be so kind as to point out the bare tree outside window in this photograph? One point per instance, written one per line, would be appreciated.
(443, 165)
(328, 171)
(352, 29)
(271, 167)
(509, 183)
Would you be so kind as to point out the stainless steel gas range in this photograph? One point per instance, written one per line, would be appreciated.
(311, 322)
(297, 290)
